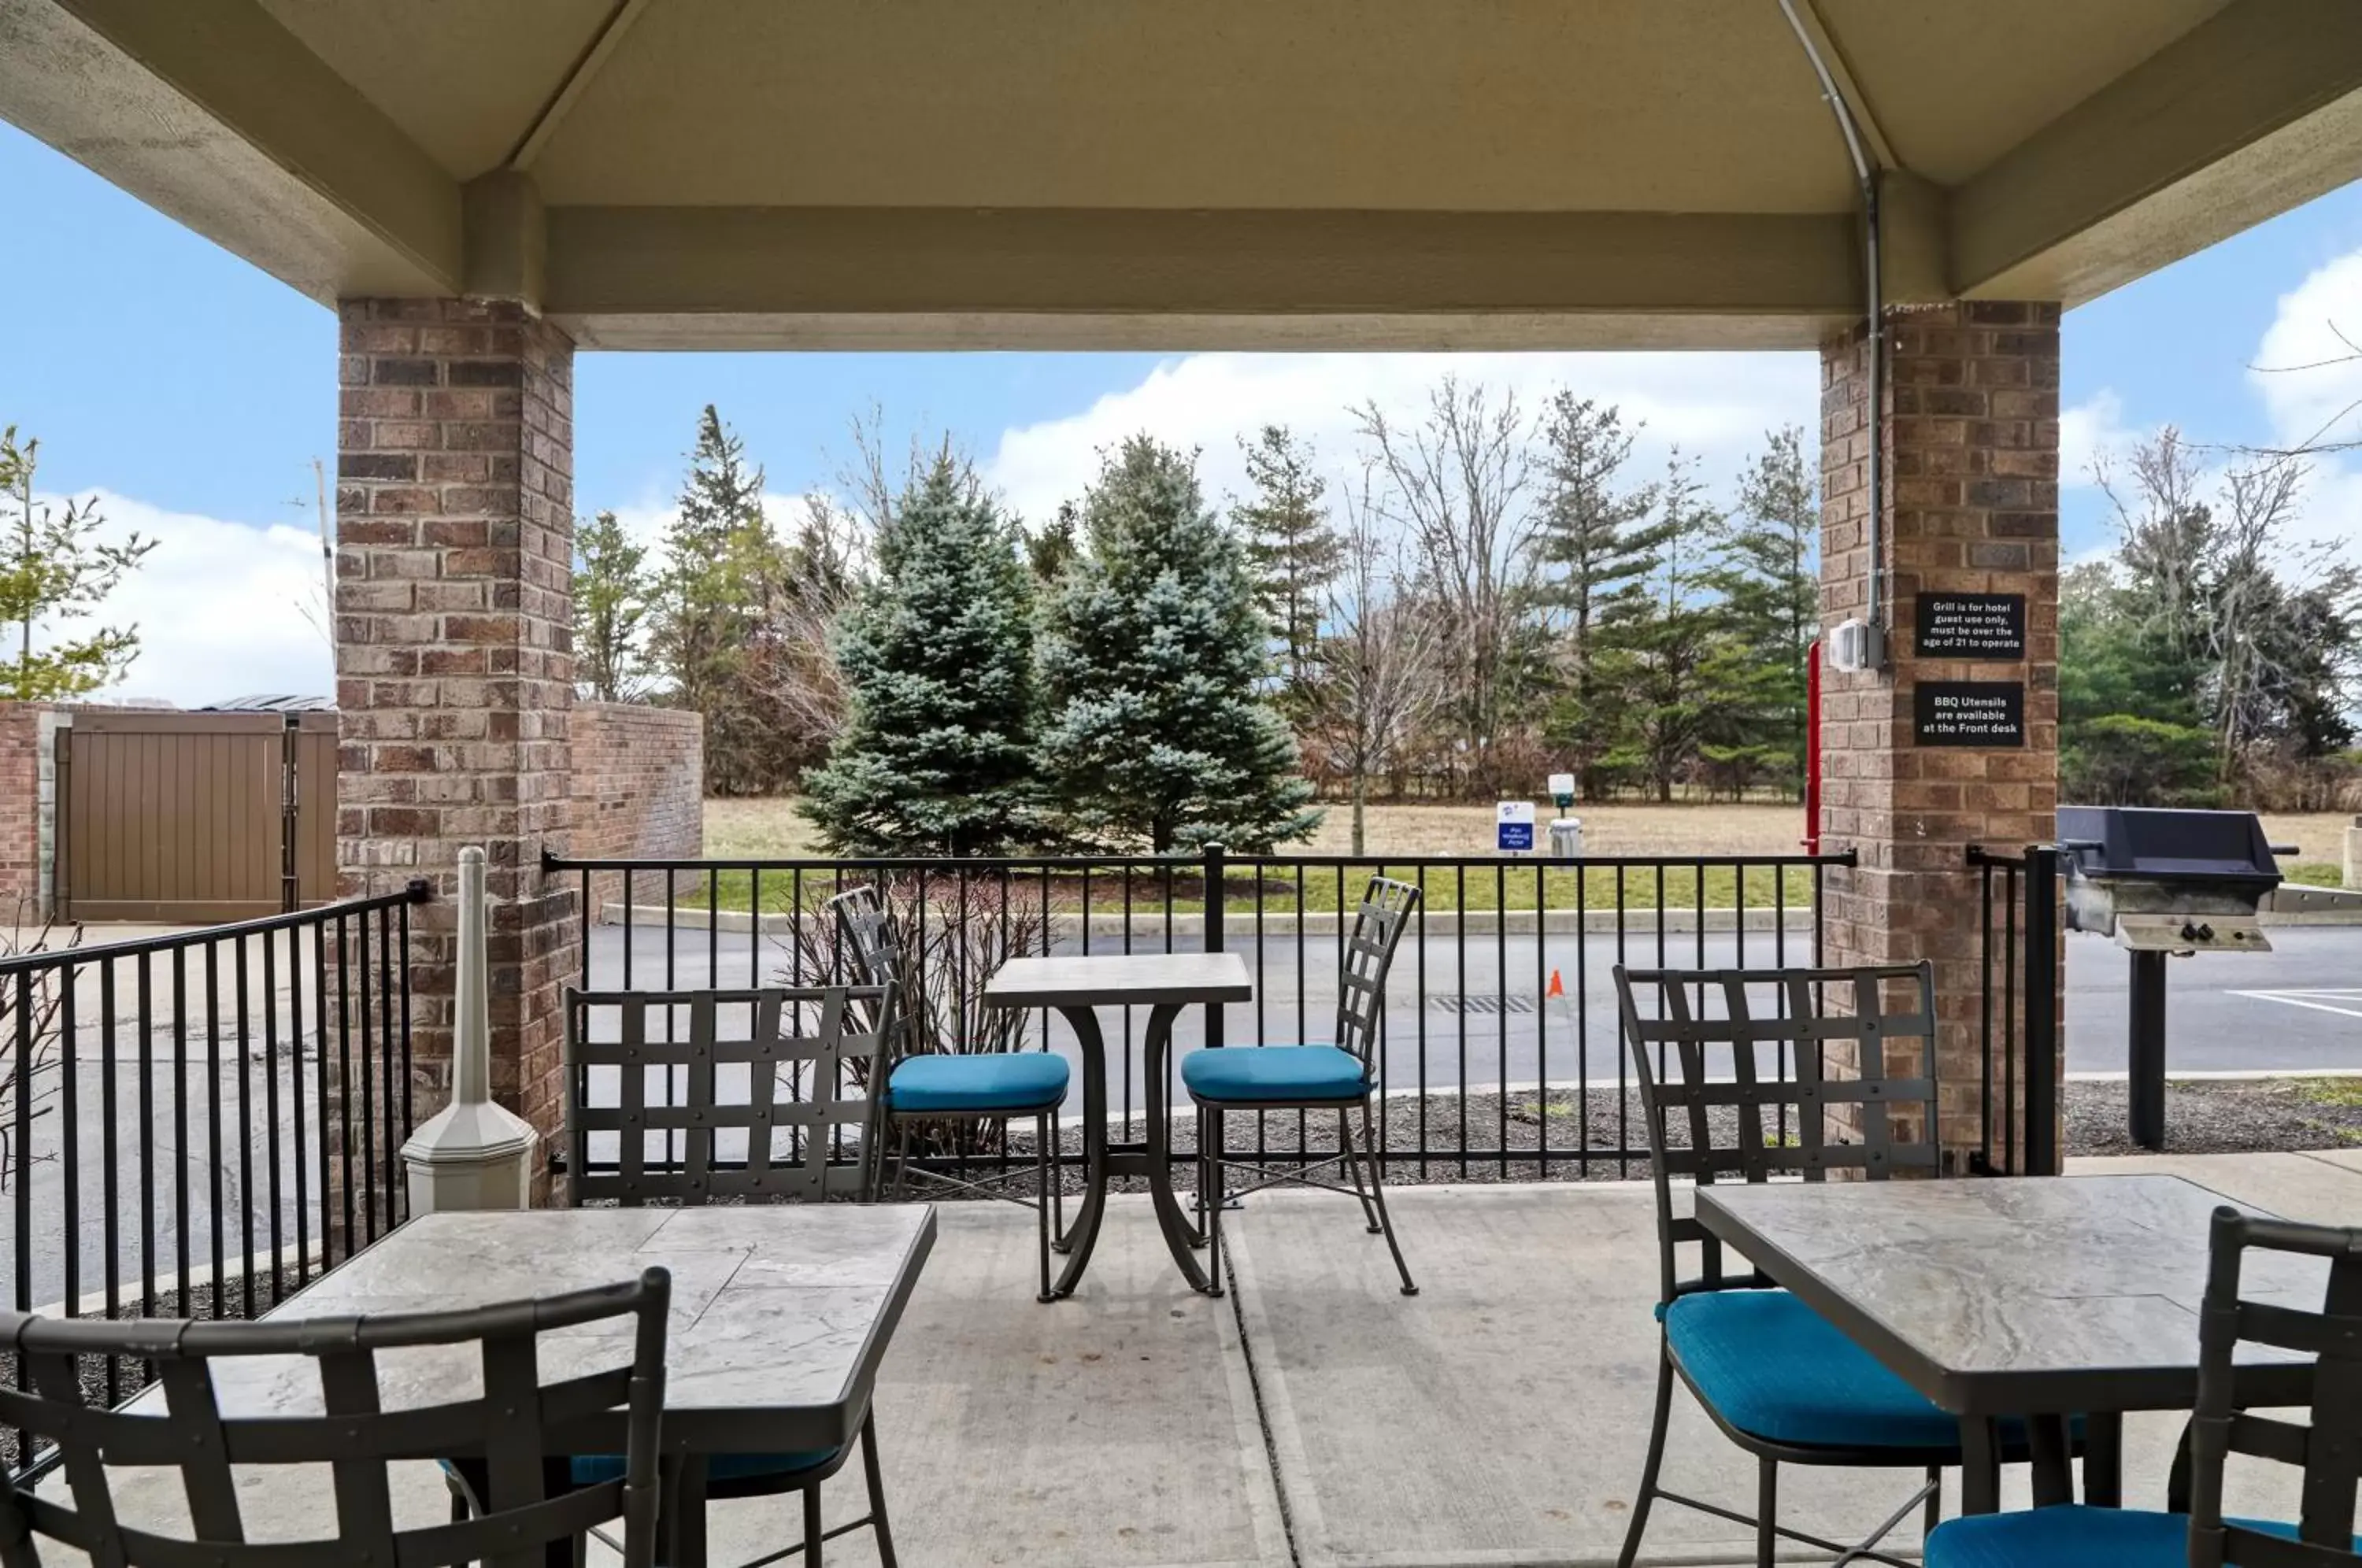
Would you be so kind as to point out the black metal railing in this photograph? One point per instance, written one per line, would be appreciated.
(198, 1124)
(1502, 1055)
(2018, 1019)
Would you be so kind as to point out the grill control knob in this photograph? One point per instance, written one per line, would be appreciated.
(2205, 934)
(2189, 932)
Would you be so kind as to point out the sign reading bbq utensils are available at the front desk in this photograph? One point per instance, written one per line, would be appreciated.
(1968, 712)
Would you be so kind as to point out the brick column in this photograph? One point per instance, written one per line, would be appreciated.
(1971, 430)
(455, 525)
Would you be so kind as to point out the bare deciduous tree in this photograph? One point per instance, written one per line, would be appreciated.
(1379, 659)
(1457, 484)
(29, 1067)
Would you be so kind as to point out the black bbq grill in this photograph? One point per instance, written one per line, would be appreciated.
(2163, 883)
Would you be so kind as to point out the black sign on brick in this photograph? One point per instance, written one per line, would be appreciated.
(1971, 625)
(1968, 712)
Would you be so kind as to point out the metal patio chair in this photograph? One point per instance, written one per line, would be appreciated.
(698, 1144)
(2327, 1450)
(953, 1085)
(1772, 1373)
(531, 1504)
(1337, 1076)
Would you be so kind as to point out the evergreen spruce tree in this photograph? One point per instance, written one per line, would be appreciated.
(1768, 575)
(936, 753)
(1595, 546)
(1293, 553)
(1155, 656)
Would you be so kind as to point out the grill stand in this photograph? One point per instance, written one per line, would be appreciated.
(2146, 1055)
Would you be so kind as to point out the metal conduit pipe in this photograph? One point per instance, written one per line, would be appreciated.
(1874, 598)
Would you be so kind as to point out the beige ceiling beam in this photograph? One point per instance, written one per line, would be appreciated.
(948, 265)
(229, 61)
(2220, 129)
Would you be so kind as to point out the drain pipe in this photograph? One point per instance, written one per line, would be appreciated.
(1871, 653)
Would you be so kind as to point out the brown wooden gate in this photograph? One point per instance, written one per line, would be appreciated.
(193, 818)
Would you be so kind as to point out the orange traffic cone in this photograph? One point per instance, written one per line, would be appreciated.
(1557, 987)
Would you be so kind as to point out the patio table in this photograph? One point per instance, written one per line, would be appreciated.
(2042, 1298)
(781, 1315)
(1165, 983)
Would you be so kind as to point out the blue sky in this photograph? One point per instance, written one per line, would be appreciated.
(195, 392)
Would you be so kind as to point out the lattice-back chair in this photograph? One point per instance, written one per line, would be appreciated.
(2328, 1448)
(1772, 1374)
(675, 1097)
(507, 1426)
(689, 1095)
(1336, 1076)
(962, 1083)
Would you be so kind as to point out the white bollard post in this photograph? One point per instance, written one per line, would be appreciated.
(473, 1154)
(2354, 854)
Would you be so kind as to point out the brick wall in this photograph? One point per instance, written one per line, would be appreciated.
(454, 658)
(638, 789)
(21, 746)
(1971, 439)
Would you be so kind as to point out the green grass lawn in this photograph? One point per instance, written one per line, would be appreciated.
(2315, 873)
(1511, 885)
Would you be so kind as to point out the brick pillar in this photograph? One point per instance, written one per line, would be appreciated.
(1971, 430)
(455, 525)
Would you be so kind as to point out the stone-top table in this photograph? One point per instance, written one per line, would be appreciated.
(1078, 984)
(781, 1315)
(2028, 1296)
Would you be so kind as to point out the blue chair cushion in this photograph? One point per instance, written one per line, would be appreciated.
(2073, 1536)
(1313, 1074)
(590, 1469)
(1000, 1080)
(1774, 1368)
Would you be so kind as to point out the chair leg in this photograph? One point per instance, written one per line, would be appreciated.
(1648, 1492)
(1378, 1196)
(1210, 1138)
(1935, 1512)
(870, 1470)
(1353, 1169)
(901, 1163)
(1042, 1163)
(812, 1534)
(1767, 1511)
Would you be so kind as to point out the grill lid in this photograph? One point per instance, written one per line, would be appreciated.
(2145, 844)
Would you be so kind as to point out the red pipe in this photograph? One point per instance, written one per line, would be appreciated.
(1813, 749)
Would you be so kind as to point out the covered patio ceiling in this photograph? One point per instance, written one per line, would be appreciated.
(1235, 173)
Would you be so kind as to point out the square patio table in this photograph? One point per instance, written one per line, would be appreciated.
(781, 1315)
(2037, 1298)
(1077, 985)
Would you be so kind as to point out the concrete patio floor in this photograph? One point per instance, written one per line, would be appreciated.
(1315, 1417)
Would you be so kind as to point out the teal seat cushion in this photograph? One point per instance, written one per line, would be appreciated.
(590, 1469)
(1774, 1368)
(2073, 1536)
(1011, 1081)
(1250, 1073)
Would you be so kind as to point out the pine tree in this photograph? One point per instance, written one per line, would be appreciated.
(1595, 546)
(1768, 575)
(1152, 663)
(936, 753)
(611, 602)
(1659, 658)
(721, 557)
(1293, 553)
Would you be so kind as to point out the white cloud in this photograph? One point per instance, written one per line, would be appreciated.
(2308, 369)
(1717, 405)
(2308, 374)
(2089, 433)
(221, 607)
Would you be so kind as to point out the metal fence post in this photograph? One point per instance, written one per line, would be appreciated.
(2042, 1009)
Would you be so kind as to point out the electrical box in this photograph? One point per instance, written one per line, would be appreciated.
(1857, 644)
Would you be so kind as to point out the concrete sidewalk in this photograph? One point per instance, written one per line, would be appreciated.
(1315, 1417)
